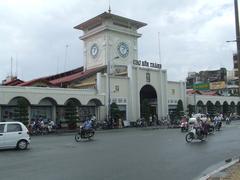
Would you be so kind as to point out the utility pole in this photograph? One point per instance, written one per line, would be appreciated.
(237, 41)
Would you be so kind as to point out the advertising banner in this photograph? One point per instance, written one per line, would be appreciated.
(217, 85)
(201, 86)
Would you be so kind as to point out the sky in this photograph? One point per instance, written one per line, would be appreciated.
(38, 35)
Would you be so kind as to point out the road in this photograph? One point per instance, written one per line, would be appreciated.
(128, 154)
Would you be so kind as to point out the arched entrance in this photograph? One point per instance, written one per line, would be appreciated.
(232, 107)
(17, 109)
(46, 110)
(210, 108)
(218, 107)
(238, 108)
(148, 102)
(92, 108)
(225, 108)
(200, 107)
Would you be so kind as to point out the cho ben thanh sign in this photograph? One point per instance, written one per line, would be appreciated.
(147, 64)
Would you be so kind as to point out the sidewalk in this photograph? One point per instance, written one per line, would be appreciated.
(229, 171)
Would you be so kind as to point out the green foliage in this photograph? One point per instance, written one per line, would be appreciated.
(21, 111)
(145, 109)
(179, 109)
(190, 110)
(114, 111)
(238, 109)
(225, 109)
(71, 115)
(211, 108)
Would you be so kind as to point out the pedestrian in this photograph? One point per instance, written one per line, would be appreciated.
(120, 123)
(150, 120)
(227, 120)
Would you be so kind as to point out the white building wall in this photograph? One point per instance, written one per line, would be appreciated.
(192, 99)
(157, 81)
(176, 91)
(35, 94)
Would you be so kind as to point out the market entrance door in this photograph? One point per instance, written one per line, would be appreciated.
(148, 104)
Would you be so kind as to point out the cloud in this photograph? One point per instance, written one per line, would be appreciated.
(192, 33)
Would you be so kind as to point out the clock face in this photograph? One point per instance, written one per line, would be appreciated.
(123, 49)
(94, 50)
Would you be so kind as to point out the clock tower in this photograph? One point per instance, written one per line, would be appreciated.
(108, 37)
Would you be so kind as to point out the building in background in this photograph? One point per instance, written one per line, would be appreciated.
(221, 82)
(113, 73)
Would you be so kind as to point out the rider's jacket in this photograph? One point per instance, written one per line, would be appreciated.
(87, 125)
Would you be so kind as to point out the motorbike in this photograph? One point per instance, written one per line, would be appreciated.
(218, 125)
(140, 122)
(211, 129)
(84, 134)
(194, 133)
(184, 126)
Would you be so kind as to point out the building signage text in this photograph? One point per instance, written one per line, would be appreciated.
(147, 64)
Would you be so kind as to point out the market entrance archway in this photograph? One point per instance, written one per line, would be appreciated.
(148, 103)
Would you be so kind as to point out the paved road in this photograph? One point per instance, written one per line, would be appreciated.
(129, 154)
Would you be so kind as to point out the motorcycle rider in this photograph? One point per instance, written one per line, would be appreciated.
(87, 125)
(199, 125)
(217, 122)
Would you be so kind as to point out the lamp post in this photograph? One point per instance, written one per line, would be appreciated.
(109, 86)
(237, 41)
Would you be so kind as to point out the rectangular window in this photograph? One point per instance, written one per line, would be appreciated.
(117, 88)
(235, 65)
(2, 128)
(14, 128)
(148, 78)
(173, 91)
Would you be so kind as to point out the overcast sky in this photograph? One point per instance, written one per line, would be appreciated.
(193, 34)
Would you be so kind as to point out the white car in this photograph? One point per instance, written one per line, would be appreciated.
(14, 135)
(203, 117)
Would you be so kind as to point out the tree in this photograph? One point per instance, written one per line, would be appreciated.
(211, 110)
(145, 109)
(179, 109)
(71, 115)
(225, 108)
(190, 110)
(21, 111)
(114, 111)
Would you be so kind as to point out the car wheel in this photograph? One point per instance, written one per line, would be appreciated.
(22, 145)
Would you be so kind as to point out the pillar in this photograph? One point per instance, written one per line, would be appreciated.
(54, 113)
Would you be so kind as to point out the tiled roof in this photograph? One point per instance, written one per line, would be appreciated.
(41, 80)
(65, 77)
(79, 75)
(207, 93)
(13, 82)
(47, 79)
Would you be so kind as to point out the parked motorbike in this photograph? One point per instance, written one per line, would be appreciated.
(184, 126)
(84, 134)
(140, 122)
(194, 133)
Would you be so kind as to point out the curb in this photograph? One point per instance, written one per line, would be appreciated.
(229, 162)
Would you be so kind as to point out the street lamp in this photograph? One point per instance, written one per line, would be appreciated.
(109, 86)
(237, 41)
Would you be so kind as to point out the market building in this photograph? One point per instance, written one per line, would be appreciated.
(112, 73)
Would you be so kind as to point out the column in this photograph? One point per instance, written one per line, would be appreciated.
(0, 113)
(54, 113)
(29, 114)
